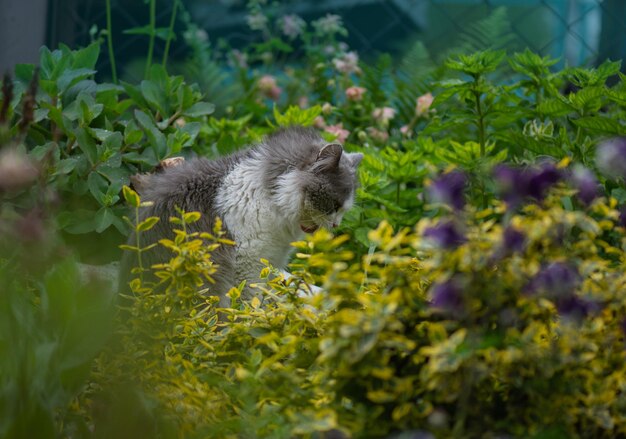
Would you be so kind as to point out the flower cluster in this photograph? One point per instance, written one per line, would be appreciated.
(292, 26)
(558, 281)
(611, 157)
(347, 63)
(328, 25)
(518, 184)
(449, 189)
(269, 88)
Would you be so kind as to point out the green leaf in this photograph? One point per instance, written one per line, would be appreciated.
(132, 133)
(147, 224)
(66, 166)
(71, 77)
(554, 107)
(297, 116)
(103, 219)
(131, 197)
(86, 58)
(156, 138)
(135, 94)
(602, 124)
(98, 186)
(77, 221)
(155, 96)
(140, 30)
(24, 72)
(191, 217)
(199, 109)
(87, 145)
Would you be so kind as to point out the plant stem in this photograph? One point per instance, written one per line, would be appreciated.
(481, 124)
(398, 193)
(152, 36)
(110, 41)
(170, 32)
(138, 244)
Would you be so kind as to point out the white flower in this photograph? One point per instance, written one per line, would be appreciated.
(257, 21)
(328, 25)
(292, 25)
(347, 63)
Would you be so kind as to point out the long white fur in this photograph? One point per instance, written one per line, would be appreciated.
(262, 225)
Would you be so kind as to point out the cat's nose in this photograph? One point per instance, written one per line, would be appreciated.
(335, 225)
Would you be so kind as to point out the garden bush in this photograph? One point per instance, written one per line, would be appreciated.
(475, 290)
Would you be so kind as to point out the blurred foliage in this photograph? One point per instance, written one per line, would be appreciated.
(387, 348)
(475, 289)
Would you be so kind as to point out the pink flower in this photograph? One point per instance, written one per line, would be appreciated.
(239, 59)
(378, 135)
(267, 85)
(17, 170)
(384, 114)
(338, 130)
(347, 63)
(303, 102)
(355, 93)
(404, 129)
(423, 104)
(319, 122)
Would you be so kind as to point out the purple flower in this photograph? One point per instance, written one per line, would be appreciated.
(576, 308)
(447, 296)
(540, 180)
(622, 216)
(513, 240)
(586, 183)
(511, 183)
(517, 184)
(611, 157)
(449, 189)
(556, 281)
(445, 235)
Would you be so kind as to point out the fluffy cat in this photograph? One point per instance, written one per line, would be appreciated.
(267, 196)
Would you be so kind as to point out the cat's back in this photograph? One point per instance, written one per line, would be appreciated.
(191, 185)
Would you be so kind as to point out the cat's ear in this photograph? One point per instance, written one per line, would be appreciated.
(355, 158)
(329, 156)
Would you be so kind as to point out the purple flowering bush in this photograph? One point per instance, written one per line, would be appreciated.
(476, 288)
(511, 325)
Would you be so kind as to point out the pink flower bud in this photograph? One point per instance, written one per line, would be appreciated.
(384, 114)
(378, 135)
(423, 104)
(338, 130)
(355, 93)
(267, 86)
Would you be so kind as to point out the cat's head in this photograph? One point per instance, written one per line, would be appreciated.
(328, 187)
(313, 181)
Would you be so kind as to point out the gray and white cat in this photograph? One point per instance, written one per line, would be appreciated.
(267, 196)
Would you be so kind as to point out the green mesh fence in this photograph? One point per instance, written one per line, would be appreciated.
(578, 32)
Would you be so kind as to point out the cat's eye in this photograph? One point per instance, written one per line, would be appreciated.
(336, 206)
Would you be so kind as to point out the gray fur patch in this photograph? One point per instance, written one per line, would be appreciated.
(323, 174)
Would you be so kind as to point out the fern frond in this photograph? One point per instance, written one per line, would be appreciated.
(377, 79)
(492, 32)
(414, 77)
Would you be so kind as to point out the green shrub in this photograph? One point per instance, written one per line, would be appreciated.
(515, 328)
(452, 305)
